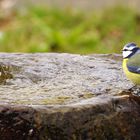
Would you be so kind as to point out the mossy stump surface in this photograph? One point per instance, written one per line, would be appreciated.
(66, 97)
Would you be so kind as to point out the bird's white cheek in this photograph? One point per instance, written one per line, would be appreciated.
(126, 53)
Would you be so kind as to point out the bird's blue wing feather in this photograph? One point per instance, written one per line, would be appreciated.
(134, 69)
(133, 64)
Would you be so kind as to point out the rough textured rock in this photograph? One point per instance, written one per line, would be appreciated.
(66, 97)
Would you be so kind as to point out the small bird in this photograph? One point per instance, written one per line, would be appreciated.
(131, 62)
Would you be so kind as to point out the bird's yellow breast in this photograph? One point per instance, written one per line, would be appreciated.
(134, 77)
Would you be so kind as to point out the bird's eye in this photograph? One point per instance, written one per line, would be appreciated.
(125, 50)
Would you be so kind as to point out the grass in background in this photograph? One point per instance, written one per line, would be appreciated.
(51, 30)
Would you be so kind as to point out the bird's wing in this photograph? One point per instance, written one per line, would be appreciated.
(133, 63)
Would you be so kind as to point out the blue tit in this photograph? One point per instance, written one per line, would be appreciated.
(131, 62)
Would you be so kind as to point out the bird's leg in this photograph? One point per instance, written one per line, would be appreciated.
(134, 95)
(135, 90)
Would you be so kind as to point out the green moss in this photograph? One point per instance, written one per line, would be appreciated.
(5, 73)
(22, 102)
(56, 100)
(88, 95)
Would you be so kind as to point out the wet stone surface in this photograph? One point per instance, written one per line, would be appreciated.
(66, 97)
(40, 79)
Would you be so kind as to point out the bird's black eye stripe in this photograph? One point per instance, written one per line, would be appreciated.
(125, 50)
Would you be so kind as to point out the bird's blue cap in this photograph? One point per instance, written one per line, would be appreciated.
(130, 45)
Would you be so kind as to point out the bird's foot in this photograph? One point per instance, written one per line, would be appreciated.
(135, 90)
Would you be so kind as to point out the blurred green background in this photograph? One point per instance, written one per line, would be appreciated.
(45, 29)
